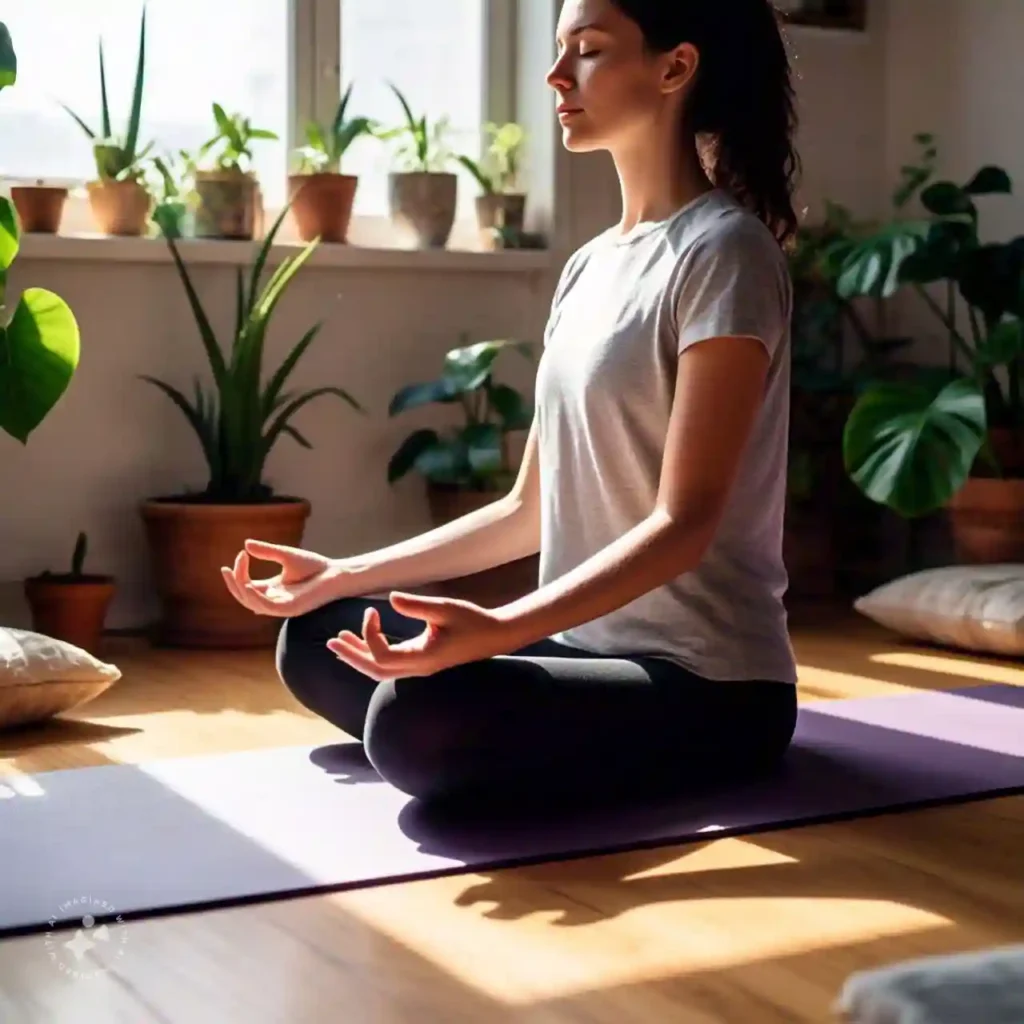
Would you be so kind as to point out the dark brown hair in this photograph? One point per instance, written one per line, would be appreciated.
(742, 106)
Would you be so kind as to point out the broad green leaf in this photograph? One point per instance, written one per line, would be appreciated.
(444, 462)
(989, 181)
(911, 447)
(409, 451)
(483, 441)
(10, 233)
(871, 266)
(990, 278)
(1004, 344)
(39, 351)
(511, 407)
(8, 58)
(412, 396)
(470, 365)
(945, 199)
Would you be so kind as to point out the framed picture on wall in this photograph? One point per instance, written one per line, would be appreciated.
(846, 14)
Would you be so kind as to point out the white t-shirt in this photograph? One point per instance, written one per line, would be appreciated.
(625, 307)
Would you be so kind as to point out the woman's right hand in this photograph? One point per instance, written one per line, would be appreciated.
(306, 580)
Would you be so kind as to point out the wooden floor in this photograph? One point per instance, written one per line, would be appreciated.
(755, 930)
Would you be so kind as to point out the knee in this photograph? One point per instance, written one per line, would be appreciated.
(415, 742)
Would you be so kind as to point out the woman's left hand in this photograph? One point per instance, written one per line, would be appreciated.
(456, 632)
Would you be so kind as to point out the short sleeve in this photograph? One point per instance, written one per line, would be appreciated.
(733, 282)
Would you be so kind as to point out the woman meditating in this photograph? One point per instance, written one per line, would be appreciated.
(654, 652)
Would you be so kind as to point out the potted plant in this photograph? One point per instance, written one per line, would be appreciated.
(118, 197)
(952, 437)
(40, 206)
(39, 341)
(174, 194)
(501, 206)
(229, 200)
(237, 422)
(469, 467)
(71, 606)
(322, 197)
(422, 196)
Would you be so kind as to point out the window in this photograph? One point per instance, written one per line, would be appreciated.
(280, 62)
(192, 59)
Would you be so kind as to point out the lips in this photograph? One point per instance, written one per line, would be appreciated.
(568, 108)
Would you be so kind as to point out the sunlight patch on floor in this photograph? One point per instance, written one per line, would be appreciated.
(520, 941)
(843, 685)
(981, 670)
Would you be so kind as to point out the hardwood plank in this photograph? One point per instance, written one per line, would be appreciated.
(760, 929)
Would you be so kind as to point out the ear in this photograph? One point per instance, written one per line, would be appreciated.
(680, 68)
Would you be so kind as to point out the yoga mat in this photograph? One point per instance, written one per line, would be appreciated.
(123, 841)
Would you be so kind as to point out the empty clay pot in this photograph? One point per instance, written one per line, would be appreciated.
(71, 608)
(40, 207)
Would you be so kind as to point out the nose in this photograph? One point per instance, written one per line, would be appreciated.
(558, 77)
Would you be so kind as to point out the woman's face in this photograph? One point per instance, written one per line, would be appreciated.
(609, 87)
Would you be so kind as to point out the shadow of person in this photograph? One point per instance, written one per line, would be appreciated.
(347, 761)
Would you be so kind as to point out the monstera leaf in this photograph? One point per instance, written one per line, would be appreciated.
(911, 446)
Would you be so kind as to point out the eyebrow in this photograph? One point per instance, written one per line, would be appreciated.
(593, 26)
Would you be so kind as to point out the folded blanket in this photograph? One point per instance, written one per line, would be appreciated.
(986, 987)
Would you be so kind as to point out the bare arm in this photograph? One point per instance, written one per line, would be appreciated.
(504, 531)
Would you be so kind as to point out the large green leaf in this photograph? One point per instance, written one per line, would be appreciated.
(509, 404)
(409, 451)
(8, 58)
(912, 446)
(412, 396)
(945, 199)
(989, 181)
(483, 447)
(39, 351)
(1004, 344)
(10, 233)
(470, 365)
(990, 278)
(445, 462)
(871, 266)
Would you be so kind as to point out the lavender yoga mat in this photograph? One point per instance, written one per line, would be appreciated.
(124, 841)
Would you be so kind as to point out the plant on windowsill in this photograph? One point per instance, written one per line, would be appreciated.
(229, 201)
(501, 206)
(39, 341)
(119, 199)
(422, 193)
(237, 423)
(322, 197)
(175, 198)
(470, 465)
(71, 606)
(953, 438)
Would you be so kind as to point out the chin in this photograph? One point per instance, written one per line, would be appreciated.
(576, 141)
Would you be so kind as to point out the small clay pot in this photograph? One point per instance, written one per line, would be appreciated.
(230, 205)
(71, 608)
(322, 205)
(119, 207)
(40, 207)
(422, 204)
(496, 211)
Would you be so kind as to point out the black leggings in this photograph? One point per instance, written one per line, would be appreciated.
(546, 722)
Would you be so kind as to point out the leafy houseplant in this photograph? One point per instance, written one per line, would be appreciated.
(237, 423)
(471, 465)
(71, 606)
(229, 200)
(423, 194)
(954, 436)
(39, 342)
(501, 206)
(322, 197)
(118, 197)
(174, 193)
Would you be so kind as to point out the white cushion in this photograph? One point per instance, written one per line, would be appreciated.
(41, 677)
(972, 607)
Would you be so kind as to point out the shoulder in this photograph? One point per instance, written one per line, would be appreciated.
(573, 266)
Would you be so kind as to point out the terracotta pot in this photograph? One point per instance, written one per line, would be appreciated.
(119, 207)
(423, 205)
(230, 205)
(499, 211)
(322, 205)
(189, 540)
(987, 521)
(40, 207)
(492, 587)
(71, 608)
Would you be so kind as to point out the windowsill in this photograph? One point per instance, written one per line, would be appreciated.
(94, 247)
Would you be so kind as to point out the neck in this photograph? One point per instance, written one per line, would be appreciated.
(658, 174)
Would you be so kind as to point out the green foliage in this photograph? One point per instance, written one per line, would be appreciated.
(499, 170)
(240, 418)
(78, 558)
(422, 146)
(119, 157)
(910, 446)
(8, 58)
(173, 187)
(326, 146)
(473, 456)
(231, 145)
